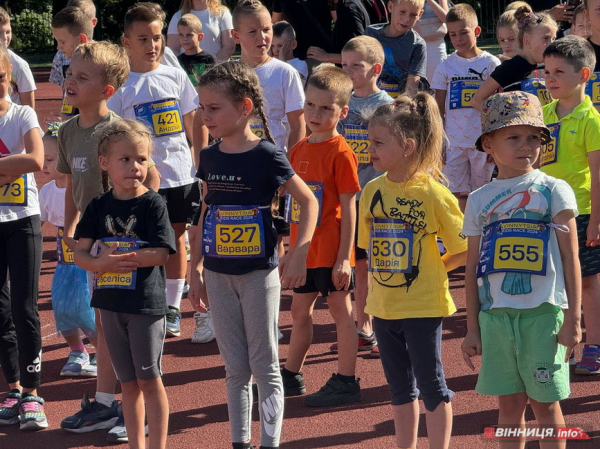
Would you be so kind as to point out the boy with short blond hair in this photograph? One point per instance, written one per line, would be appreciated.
(455, 81)
(193, 60)
(327, 164)
(405, 51)
(574, 155)
(282, 48)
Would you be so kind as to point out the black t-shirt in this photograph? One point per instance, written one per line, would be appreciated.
(597, 51)
(196, 65)
(510, 73)
(352, 20)
(245, 179)
(143, 218)
(311, 20)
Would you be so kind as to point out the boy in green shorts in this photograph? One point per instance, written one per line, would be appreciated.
(573, 156)
(522, 275)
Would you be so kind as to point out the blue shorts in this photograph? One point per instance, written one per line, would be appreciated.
(410, 351)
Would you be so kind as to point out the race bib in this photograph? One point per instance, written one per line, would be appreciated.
(390, 246)
(233, 232)
(292, 208)
(592, 88)
(392, 88)
(537, 87)
(117, 280)
(66, 108)
(258, 129)
(462, 92)
(357, 137)
(549, 151)
(163, 116)
(14, 193)
(515, 246)
(63, 252)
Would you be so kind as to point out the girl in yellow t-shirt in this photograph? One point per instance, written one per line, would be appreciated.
(401, 214)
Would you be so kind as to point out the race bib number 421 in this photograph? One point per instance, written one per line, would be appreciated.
(163, 116)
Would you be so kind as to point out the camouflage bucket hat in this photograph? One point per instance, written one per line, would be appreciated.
(512, 109)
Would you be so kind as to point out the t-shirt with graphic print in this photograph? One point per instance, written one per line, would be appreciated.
(532, 196)
(432, 211)
(460, 78)
(143, 218)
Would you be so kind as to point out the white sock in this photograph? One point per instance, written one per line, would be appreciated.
(105, 398)
(174, 290)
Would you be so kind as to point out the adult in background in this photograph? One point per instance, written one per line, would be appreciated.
(432, 27)
(216, 26)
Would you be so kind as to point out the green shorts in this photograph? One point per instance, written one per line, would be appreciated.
(521, 354)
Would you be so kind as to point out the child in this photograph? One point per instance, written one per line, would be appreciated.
(21, 154)
(507, 32)
(593, 12)
(523, 308)
(581, 22)
(362, 60)
(22, 82)
(70, 292)
(455, 81)
(282, 48)
(405, 51)
(129, 288)
(193, 60)
(165, 100)
(241, 174)
(401, 214)
(575, 157)
(325, 162)
(536, 32)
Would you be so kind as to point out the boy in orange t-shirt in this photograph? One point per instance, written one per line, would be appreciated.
(327, 164)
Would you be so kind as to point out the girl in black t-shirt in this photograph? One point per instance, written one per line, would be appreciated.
(236, 258)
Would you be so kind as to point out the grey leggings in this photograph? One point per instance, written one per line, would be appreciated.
(245, 309)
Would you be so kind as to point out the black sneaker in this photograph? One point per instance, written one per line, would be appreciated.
(293, 386)
(92, 416)
(118, 434)
(334, 392)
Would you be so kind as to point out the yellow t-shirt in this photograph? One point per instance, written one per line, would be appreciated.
(578, 135)
(432, 211)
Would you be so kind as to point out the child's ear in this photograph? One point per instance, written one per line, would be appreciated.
(377, 68)
(125, 41)
(409, 147)
(94, 22)
(344, 112)
(83, 39)
(477, 31)
(585, 74)
(294, 44)
(108, 91)
(486, 143)
(235, 35)
(200, 36)
(103, 161)
(247, 106)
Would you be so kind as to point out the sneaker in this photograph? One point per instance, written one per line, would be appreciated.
(76, 362)
(9, 408)
(91, 370)
(205, 332)
(293, 386)
(334, 392)
(92, 416)
(186, 289)
(173, 319)
(279, 334)
(31, 413)
(590, 360)
(374, 354)
(118, 434)
(365, 343)
(572, 361)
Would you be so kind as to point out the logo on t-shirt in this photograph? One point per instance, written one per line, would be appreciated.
(3, 148)
(80, 164)
(481, 74)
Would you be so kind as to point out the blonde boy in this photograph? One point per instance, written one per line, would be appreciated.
(193, 60)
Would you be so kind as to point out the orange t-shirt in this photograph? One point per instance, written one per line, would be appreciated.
(333, 165)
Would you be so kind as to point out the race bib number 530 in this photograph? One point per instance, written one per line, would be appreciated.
(390, 247)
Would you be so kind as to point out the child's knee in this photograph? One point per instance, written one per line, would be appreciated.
(150, 386)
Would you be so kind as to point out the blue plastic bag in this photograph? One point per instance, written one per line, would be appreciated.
(71, 299)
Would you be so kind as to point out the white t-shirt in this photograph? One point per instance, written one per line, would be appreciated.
(212, 26)
(169, 59)
(460, 78)
(22, 78)
(52, 204)
(143, 97)
(301, 66)
(283, 93)
(532, 196)
(17, 122)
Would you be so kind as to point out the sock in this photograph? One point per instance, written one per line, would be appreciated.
(174, 290)
(347, 379)
(105, 398)
(79, 347)
(287, 373)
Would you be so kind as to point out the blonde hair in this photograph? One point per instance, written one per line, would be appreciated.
(247, 8)
(110, 58)
(516, 5)
(368, 47)
(4, 17)
(87, 6)
(5, 64)
(191, 21)
(419, 3)
(529, 21)
(507, 20)
(332, 79)
(75, 20)
(418, 119)
(214, 6)
(145, 12)
(464, 12)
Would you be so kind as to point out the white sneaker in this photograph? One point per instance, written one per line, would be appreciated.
(205, 332)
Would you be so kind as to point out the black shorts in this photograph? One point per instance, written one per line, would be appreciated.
(359, 253)
(318, 280)
(180, 201)
(589, 256)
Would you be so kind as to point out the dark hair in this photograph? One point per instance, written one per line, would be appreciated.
(283, 27)
(87, 6)
(528, 21)
(145, 12)
(576, 50)
(237, 81)
(464, 12)
(75, 20)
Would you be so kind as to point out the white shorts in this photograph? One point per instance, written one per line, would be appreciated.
(467, 169)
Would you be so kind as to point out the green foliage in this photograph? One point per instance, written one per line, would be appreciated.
(32, 31)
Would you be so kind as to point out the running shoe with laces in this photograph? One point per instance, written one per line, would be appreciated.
(31, 413)
(9, 408)
(173, 319)
(365, 343)
(590, 360)
(118, 434)
(76, 362)
(205, 331)
(91, 370)
(334, 392)
(92, 416)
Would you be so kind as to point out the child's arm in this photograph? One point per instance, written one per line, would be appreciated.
(150, 257)
(593, 230)
(31, 161)
(341, 270)
(293, 264)
(105, 261)
(570, 332)
(227, 46)
(412, 85)
(453, 261)
(152, 180)
(27, 98)
(486, 90)
(71, 214)
(297, 127)
(471, 345)
(197, 293)
(321, 55)
(440, 99)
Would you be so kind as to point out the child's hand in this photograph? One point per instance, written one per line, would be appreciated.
(292, 271)
(593, 233)
(471, 346)
(317, 53)
(197, 293)
(569, 335)
(70, 242)
(108, 261)
(287, 50)
(340, 275)
(7, 179)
